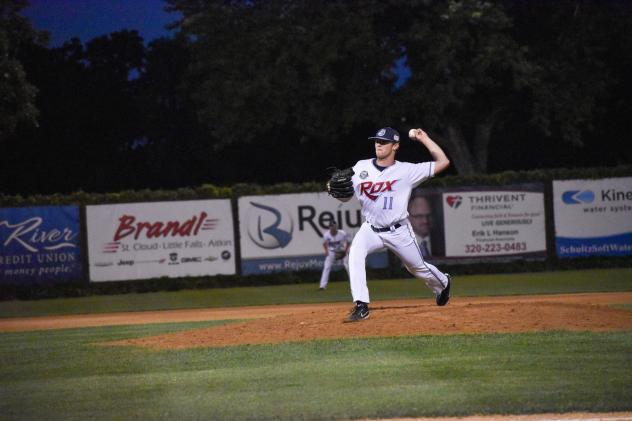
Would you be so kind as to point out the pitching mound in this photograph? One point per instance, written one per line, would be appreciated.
(577, 312)
(572, 416)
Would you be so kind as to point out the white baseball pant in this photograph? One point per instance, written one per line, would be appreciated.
(329, 262)
(400, 241)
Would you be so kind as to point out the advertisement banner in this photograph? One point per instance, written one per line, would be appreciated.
(425, 213)
(284, 232)
(40, 244)
(593, 217)
(152, 240)
(494, 221)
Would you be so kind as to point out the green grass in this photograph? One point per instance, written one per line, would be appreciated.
(63, 375)
(475, 285)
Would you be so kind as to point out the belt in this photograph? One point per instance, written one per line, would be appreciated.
(385, 229)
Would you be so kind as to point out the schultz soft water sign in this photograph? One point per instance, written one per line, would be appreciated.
(593, 217)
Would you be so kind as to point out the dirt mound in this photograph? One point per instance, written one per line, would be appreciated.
(578, 312)
(571, 416)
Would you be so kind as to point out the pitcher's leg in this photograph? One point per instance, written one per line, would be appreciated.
(364, 242)
(404, 245)
(433, 277)
(324, 278)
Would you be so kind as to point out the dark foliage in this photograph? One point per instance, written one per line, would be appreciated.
(278, 91)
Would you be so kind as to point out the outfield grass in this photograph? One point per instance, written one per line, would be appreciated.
(63, 375)
(476, 285)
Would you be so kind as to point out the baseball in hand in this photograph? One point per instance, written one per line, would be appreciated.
(412, 133)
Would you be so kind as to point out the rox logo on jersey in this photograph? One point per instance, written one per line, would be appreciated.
(372, 190)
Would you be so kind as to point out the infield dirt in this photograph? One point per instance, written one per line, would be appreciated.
(287, 323)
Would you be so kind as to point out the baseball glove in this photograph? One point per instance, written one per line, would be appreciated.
(340, 254)
(340, 185)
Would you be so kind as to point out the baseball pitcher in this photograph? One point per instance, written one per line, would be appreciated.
(383, 186)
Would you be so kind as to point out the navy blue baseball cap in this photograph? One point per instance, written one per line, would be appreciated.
(387, 133)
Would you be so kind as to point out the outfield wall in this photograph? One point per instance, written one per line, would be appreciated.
(234, 232)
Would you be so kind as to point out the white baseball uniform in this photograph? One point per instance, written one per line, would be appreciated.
(384, 193)
(334, 244)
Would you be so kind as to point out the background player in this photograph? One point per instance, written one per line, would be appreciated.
(336, 244)
(383, 187)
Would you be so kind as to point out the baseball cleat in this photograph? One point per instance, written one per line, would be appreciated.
(444, 296)
(359, 312)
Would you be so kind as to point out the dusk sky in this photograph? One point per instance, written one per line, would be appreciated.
(87, 19)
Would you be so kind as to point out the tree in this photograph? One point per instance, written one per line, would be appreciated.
(320, 71)
(89, 117)
(584, 48)
(17, 95)
(474, 69)
(466, 71)
(173, 149)
(310, 69)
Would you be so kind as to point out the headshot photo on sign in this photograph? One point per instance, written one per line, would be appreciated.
(426, 218)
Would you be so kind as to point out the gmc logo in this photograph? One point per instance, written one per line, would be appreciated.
(372, 190)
